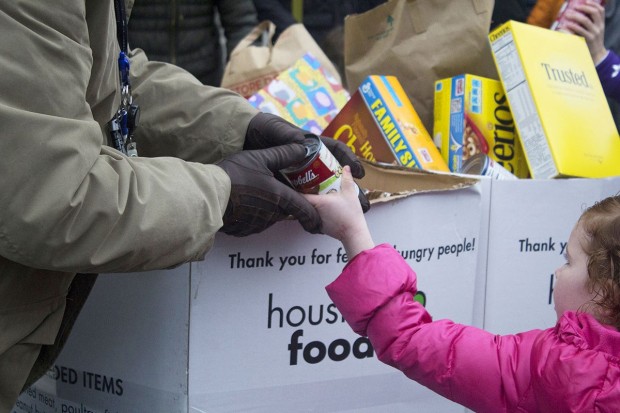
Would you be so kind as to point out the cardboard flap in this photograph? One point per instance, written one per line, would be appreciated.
(385, 182)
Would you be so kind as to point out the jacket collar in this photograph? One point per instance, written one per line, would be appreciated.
(585, 332)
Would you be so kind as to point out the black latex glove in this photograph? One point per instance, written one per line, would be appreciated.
(266, 130)
(257, 198)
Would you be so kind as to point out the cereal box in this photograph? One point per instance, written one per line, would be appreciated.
(306, 95)
(557, 101)
(472, 116)
(380, 124)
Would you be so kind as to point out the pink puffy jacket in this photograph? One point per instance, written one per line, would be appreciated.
(573, 367)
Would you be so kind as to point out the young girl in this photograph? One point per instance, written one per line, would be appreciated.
(573, 367)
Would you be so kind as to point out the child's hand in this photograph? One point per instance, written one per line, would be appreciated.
(588, 20)
(342, 216)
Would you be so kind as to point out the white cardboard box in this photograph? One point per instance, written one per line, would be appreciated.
(207, 337)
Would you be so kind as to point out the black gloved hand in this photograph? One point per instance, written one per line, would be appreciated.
(364, 202)
(257, 199)
(266, 130)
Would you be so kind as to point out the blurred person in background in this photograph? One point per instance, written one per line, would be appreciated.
(190, 33)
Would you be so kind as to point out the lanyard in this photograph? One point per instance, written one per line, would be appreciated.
(125, 121)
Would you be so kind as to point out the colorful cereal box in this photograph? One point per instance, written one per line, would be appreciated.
(380, 124)
(472, 116)
(306, 95)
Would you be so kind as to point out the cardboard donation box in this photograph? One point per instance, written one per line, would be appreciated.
(472, 116)
(307, 95)
(380, 124)
(558, 104)
(251, 327)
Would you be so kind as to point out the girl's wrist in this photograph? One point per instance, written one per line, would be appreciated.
(357, 241)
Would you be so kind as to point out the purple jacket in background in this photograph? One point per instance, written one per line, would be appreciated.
(573, 367)
(608, 72)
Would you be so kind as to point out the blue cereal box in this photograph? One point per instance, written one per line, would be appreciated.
(471, 117)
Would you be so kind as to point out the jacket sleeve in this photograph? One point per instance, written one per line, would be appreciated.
(69, 203)
(276, 12)
(183, 118)
(238, 18)
(482, 371)
(609, 73)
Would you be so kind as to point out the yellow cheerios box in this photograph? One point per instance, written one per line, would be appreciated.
(472, 116)
(557, 101)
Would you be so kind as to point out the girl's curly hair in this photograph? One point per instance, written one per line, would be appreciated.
(601, 224)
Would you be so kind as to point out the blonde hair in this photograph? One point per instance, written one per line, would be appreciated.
(601, 224)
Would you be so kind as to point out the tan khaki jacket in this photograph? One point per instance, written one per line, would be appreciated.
(70, 204)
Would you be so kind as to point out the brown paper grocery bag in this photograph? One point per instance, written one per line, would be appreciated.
(251, 67)
(419, 42)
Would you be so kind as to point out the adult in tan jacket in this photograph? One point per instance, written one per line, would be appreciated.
(70, 204)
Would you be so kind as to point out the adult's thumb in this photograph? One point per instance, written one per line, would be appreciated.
(283, 156)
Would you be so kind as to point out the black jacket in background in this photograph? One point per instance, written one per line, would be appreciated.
(319, 16)
(186, 33)
(505, 10)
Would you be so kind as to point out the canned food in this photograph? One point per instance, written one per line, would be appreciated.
(481, 164)
(559, 22)
(319, 173)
